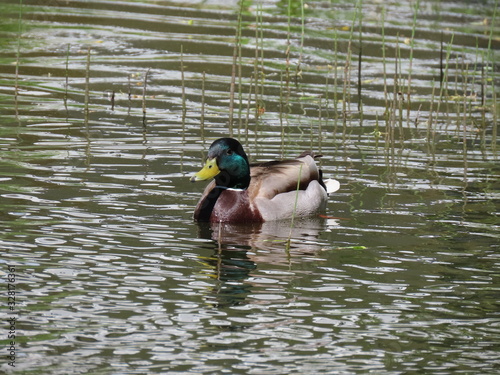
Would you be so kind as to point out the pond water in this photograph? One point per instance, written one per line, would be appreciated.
(107, 108)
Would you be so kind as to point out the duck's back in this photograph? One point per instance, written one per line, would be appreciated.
(276, 177)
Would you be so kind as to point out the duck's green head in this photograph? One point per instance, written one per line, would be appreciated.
(228, 163)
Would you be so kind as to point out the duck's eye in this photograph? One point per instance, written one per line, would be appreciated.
(229, 152)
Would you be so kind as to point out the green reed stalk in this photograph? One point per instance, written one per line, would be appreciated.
(354, 19)
(468, 98)
(183, 86)
(464, 74)
(249, 101)
(236, 65)
(312, 135)
(389, 137)
(360, 57)
(346, 88)
(398, 97)
(494, 94)
(129, 89)
(377, 132)
(287, 51)
(348, 77)
(445, 91)
(384, 62)
(262, 106)
(335, 84)
(298, 71)
(417, 117)
(387, 134)
(457, 69)
(282, 126)
(441, 59)
(410, 68)
(327, 96)
(387, 115)
(395, 106)
(347, 67)
(18, 57)
(444, 78)
(482, 98)
(478, 81)
(431, 131)
(320, 125)
(477, 54)
(492, 29)
(431, 108)
(87, 91)
(240, 65)
(144, 91)
(464, 124)
(202, 114)
(360, 53)
(86, 109)
(66, 75)
(256, 67)
(231, 89)
(482, 85)
(494, 131)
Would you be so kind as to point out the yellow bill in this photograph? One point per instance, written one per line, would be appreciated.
(208, 171)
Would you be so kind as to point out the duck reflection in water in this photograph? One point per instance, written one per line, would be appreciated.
(240, 252)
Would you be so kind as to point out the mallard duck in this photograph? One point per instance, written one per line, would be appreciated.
(241, 192)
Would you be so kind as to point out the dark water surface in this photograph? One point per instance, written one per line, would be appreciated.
(112, 276)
